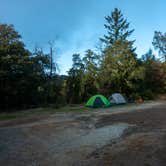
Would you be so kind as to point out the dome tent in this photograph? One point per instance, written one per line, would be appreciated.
(117, 98)
(98, 101)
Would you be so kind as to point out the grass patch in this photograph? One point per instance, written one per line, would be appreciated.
(51, 110)
(41, 111)
(7, 116)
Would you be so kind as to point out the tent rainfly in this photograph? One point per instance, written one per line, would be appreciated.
(98, 101)
(117, 98)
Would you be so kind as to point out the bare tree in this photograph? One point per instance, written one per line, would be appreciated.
(53, 64)
(51, 44)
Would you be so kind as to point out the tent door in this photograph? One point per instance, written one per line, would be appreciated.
(98, 102)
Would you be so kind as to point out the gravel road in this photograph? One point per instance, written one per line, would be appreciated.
(115, 136)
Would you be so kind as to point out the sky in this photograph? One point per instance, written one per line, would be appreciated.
(77, 25)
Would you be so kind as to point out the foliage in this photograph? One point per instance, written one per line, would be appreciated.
(25, 79)
(154, 78)
(117, 28)
(159, 42)
(119, 60)
(90, 83)
(74, 80)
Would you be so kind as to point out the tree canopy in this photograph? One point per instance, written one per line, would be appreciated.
(28, 79)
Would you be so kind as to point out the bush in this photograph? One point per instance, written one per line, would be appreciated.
(148, 94)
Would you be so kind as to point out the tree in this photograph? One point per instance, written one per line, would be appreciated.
(149, 56)
(119, 59)
(23, 75)
(153, 81)
(159, 43)
(117, 28)
(14, 66)
(39, 76)
(53, 65)
(74, 81)
(91, 73)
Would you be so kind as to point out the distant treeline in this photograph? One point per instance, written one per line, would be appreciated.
(26, 81)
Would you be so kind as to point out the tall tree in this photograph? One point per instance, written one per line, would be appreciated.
(14, 65)
(159, 43)
(74, 81)
(119, 54)
(53, 65)
(91, 73)
(117, 29)
(149, 56)
(23, 75)
(90, 61)
(154, 74)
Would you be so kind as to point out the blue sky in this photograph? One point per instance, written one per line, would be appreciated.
(76, 25)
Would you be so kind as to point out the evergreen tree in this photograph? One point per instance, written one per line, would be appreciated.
(119, 58)
(91, 73)
(159, 43)
(74, 87)
(149, 56)
(117, 29)
(154, 75)
(23, 75)
(15, 65)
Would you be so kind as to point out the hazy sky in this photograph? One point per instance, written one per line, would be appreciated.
(77, 24)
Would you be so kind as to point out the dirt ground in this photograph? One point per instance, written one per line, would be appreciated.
(120, 136)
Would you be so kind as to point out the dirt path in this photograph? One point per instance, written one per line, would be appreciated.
(115, 136)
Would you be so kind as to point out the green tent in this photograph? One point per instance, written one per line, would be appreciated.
(98, 101)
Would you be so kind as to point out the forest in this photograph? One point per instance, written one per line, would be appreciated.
(29, 79)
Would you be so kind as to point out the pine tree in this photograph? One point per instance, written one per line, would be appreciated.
(74, 81)
(119, 58)
(90, 76)
(117, 28)
(159, 43)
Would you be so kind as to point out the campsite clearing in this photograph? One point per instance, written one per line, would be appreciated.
(112, 136)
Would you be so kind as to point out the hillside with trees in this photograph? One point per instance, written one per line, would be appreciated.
(25, 79)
